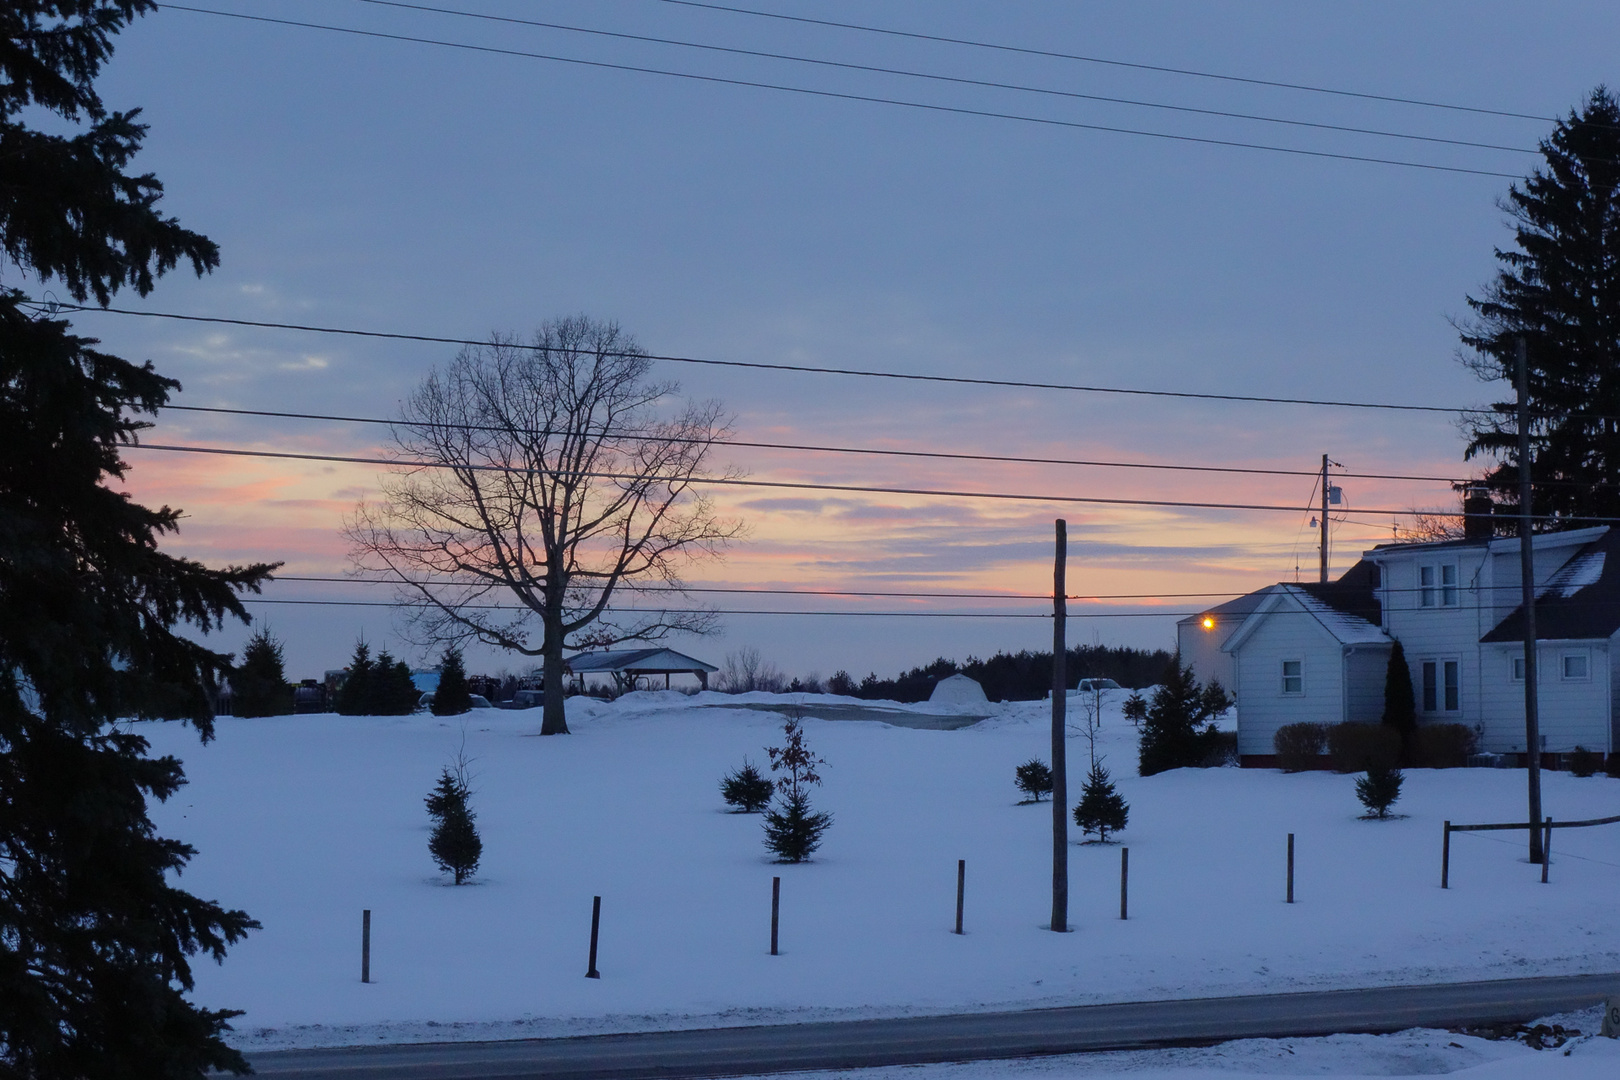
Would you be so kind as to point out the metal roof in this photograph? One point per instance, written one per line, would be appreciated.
(1580, 601)
(630, 661)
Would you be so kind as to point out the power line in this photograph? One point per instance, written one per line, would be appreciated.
(721, 481)
(869, 373)
(846, 96)
(955, 79)
(1113, 63)
(709, 611)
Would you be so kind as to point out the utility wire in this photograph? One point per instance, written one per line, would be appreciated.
(845, 96)
(869, 373)
(1112, 63)
(955, 79)
(723, 481)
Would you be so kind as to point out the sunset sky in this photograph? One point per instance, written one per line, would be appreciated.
(392, 185)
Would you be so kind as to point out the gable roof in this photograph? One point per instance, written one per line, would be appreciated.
(1344, 627)
(1237, 610)
(1580, 601)
(652, 661)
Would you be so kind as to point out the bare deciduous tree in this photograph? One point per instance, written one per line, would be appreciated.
(552, 480)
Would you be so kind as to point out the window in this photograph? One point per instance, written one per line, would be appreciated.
(1574, 666)
(1442, 685)
(1518, 669)
(1437, 585)
(1293, 676)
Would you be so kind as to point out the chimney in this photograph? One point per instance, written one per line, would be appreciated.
(1477, 510)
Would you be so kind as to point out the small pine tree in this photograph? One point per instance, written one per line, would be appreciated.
(393, 692)
(1178, 727)
(1379, 790)
(1101, 809)
(792, 830)
(747, 789)
(454, 842)
(1135, 709)
(259, 686)
(452, 698)
(1034, 779)
(357, 695)
(1400, 703)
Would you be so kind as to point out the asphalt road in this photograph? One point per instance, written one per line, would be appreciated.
(962, 1037)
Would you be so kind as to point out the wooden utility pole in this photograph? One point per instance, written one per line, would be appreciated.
(1060, 763)
(1527, 572)
(1323, 575)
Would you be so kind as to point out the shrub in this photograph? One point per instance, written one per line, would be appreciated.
(1356, 747)
(1034, 779)
(747, 789)
(1441, 746)
(452, 697)
(454, 842)
(1178, 727)
(1299, 746)
(259, 687)
(1611, 767)
(1400, 702)
(1220, 749)
(1102, 809)
(1378, 790)
(1584, 762)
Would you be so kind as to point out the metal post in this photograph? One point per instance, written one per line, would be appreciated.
(1546, 851)
(776, 909)
(1445, 858)
(1527, 572)
(1124, 878)
(961, 889)
(1324, 571)
(596, 924)
(365, 945)
(1060, 763)
(1290, 868)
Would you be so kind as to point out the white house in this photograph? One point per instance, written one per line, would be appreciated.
(1319, 652)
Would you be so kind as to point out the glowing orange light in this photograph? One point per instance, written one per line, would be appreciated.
(1209, 622)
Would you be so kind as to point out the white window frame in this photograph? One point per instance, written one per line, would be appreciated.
(1584, 655)
(1283, 681)
(1516, 668)
(1437, 592)
(1439, 664)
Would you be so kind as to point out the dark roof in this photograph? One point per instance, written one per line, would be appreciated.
(1243, 606)
(1567, 608)
(630, 660)
(1353, 593)
(1436, 545)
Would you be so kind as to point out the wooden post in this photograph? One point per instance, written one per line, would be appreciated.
(1527, 574)
(365, 945)
(776, 909)
(1290, 868)
(961, 889)
(1060, 720)
(1124, 879)
(1546, 850)
(596, 924)
(1445, 857)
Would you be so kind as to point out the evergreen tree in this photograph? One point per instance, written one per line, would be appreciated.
(452, 698)
(358, 695)
(1033, 778)
(454, 842)
(747, 789)
(1378, 791)
(259, 686)
(792, 830)
(393, 692)
(1102, 809)
(96, 939)
(1178, 726)
(1400, 703)
(1558, 288)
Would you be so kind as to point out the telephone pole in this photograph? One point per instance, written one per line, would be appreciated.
(1060, 718)
(1323, 577)
(1527, 574)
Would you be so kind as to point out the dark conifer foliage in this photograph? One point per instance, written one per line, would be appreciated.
(95, 938)
(1178, 726)
(259, 685)
(452, 698)
(792, 830)
(1033, 778)
(357, 696)
(1400, 702)
(747, 789)
(1378, 790)
(1102, 809)
(454, 842)
(1559, 287)
(394, 694)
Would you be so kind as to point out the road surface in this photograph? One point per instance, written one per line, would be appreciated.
(962, 1037)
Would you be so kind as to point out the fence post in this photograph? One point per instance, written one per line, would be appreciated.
(365, 945)
(1290, 868)
(776, 908)
(1445, 858)
(961, 888)
(596, 924)
(1546, 849)
(1124, 878)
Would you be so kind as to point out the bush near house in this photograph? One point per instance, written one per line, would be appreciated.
(1611, 767)
(1584, 762)
(1300, 746)
(1359, 747)
(1441, 746)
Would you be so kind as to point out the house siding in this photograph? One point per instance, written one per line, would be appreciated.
(1200, 650)
(1365, 668)
(1571, 713)
(1286, 634)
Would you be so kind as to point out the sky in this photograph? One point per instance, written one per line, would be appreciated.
(382, 184)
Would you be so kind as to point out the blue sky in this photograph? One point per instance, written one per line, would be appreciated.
(399, 186)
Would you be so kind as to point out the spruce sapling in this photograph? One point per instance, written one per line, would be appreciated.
(1102, 809)
(454, 842)
(452, 698)
(747, 789)
(1378, 791)
(259, 686)
(1034, 779)
(792, 829)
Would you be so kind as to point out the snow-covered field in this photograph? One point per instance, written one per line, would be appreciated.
(304, 821)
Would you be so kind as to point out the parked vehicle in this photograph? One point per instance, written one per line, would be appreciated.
(1092, 686)
(479, 701)
(525, 699)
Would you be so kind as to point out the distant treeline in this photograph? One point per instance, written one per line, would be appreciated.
(1021, 676)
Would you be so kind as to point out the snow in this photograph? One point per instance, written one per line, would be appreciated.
(1583, 570)
(305, 820)
(958, 690)
(1348, 629)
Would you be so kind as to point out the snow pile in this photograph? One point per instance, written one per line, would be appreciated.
(306, 820)
(958, 690)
